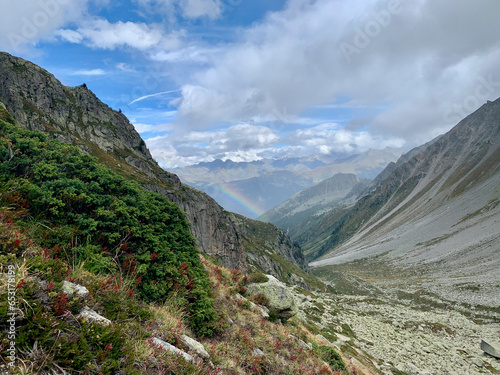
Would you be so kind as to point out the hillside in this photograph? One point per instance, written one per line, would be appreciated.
(38, 101)
(104, 278)
(436, 213)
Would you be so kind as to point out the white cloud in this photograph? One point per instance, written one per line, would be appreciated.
(191, 9)
(201, 8)
(143, 128)
(90, 72)
(246, 142)
(423, 59)
(100, 33)
(25, 22)
(124, 67)
(330, 138)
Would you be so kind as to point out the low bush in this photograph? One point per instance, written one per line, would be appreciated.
(91, 214)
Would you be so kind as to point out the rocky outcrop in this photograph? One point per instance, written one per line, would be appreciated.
(269, 249)
(195, 346)
(71, 289)
(281, 301)
(211, 226)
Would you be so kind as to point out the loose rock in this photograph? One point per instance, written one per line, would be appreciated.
(170, 348)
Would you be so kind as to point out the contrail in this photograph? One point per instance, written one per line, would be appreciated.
(152, 95)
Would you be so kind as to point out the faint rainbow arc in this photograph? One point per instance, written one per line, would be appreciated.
(243, 201)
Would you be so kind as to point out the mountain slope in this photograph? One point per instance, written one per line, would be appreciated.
(438, 210)
(37, 100)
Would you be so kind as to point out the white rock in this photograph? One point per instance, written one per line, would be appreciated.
(90, 316)
(172, 349)
(491, 348)
(257, 352)
(71, 289)
(195, 346)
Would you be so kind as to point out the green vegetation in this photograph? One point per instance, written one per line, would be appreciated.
(81, 211)
(333, 358)
(64, 217)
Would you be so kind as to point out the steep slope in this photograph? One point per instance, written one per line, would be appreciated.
(438, 210)
(314, 201)
(37, 100)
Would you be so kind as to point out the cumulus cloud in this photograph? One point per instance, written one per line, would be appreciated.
(100, 33)
(242, 142)
(419, 58)
(245, 142)
(330, 138)
(25, 22)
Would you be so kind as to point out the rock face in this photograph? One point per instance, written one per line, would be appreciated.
(281, 300)
(491, 348)
(263, 242)
(37, 100)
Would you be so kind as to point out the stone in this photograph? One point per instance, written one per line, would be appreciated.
(172, 349)
(281, 300)
(195, 346)
(71, 289)
(257, 352)
(490, 348)
(90, 316)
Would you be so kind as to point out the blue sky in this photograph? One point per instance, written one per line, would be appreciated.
(252, 79)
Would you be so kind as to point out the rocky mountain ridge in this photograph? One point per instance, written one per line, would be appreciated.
(37, 100)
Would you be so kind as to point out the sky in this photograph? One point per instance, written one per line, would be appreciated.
(251, 79)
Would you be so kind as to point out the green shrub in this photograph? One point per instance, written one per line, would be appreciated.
(256, 277)
(330, 356)
(91, 214)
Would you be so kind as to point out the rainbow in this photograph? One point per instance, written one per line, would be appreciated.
(236, 196)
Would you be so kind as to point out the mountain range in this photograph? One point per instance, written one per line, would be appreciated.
(253, 188)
